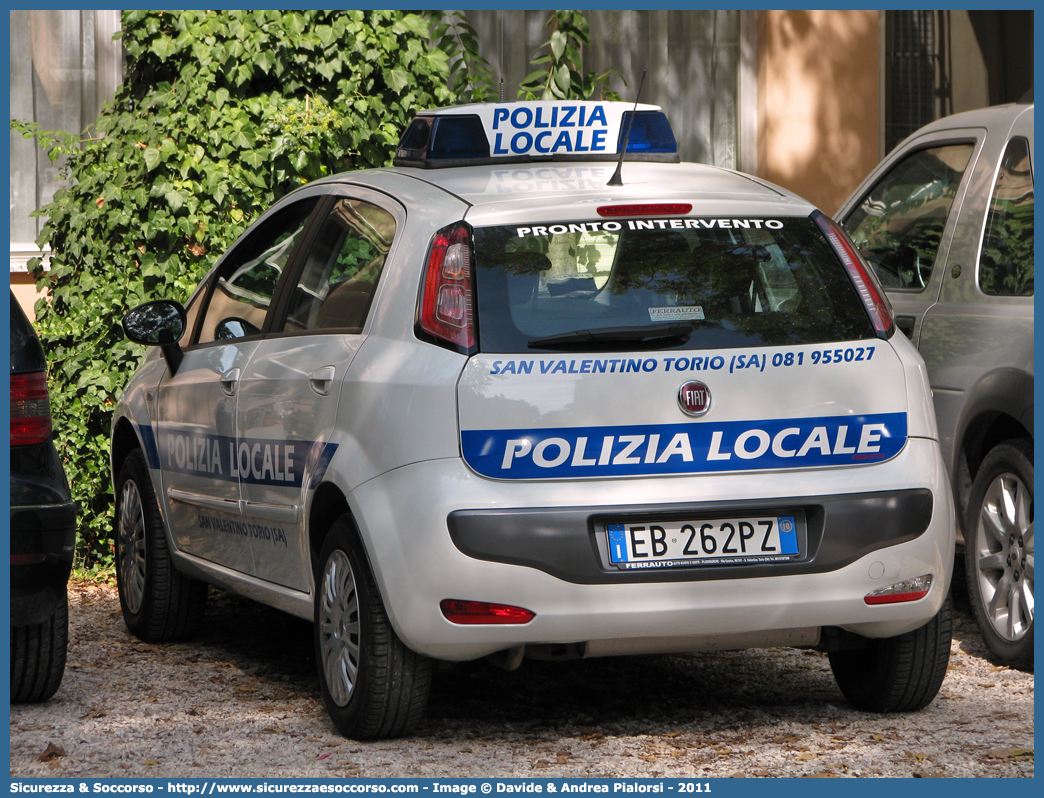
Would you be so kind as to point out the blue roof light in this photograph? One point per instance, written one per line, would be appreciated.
(415, 139)
(650, 133)
(458, 137)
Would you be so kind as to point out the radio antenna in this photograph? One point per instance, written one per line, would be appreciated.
(615, 180)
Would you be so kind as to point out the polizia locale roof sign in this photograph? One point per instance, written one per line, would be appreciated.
(538, 130)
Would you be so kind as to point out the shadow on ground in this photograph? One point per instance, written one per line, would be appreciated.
(670, 689)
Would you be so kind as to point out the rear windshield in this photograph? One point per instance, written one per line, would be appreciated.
(662, 283)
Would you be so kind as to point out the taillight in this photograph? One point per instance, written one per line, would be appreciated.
(30, 409)
(910, 590)
(445, 306)
(482, 612)
(877, 304)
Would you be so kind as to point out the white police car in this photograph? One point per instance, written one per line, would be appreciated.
(497, 402)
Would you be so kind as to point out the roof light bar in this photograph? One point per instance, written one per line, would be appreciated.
(559, 130)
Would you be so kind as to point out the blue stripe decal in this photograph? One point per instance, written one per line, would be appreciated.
(688, 448)
(255, 461)
(148, 440)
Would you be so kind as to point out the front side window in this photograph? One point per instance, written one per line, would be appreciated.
(1006, 260)
(665, 283)
(243, 288)
(340, 274)
(899, 225)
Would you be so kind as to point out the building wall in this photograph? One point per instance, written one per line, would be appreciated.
(691, 60)
(24, 289)
(818, 101)
(64, 67)
(971, 83)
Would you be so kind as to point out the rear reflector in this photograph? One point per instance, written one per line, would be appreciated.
(870, 292)
(30, 409)
(482, 612)
(27, 559)
(445, 306)
(910, 590)
(663, 209)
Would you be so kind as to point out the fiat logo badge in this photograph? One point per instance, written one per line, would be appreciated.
(694, 398)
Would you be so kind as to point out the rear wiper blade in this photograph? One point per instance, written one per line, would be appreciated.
(679, 330)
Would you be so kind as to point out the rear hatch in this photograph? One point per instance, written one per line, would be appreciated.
(653, 343)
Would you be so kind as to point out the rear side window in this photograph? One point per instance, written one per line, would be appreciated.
(339, 278)
(1006, 260)
(662, 283)
(898, 226)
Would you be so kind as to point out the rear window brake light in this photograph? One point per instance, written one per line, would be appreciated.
(660, 209)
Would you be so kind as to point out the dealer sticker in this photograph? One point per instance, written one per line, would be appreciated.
(692, 313)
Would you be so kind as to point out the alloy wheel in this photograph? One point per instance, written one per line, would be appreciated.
(339, 628)
(1004, 556)
(132, 547)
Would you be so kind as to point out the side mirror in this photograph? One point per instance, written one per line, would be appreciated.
(160, 323)
(234, 327)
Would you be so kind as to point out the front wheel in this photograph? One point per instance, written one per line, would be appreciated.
(373, 686)
(998, 552)
(897, 674)
(158, 602)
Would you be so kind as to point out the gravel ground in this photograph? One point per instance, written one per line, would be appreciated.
(241, 700)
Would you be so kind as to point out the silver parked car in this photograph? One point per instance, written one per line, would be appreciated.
(946, 221)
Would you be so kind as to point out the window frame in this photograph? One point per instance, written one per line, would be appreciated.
(292, 275)
(205, 292)
(976, 137)
(994, 176)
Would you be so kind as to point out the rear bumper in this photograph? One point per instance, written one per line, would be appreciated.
(567, 542)
(43, 539)
(464, 537)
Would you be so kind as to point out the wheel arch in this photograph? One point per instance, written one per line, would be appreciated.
(124, 440)
(999, 408)
(328, 504)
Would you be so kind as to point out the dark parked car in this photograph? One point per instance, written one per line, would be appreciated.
(946, 221)
(43, 526)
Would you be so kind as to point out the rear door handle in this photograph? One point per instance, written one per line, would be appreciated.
(322, 380)
(229, 380)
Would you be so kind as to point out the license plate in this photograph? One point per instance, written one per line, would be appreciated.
(714, 541)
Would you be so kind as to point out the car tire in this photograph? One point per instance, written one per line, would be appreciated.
(998, 552)
(158, 602)
(38, 657)
(897, 674)
(373, 686)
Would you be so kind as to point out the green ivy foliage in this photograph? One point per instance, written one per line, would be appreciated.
(562, 76)
(221, 113)
(470, 75)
